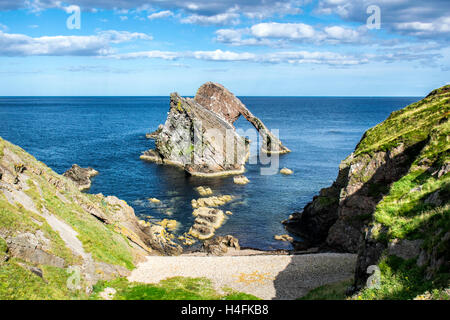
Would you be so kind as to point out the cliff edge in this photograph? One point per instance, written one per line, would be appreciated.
(390, 200)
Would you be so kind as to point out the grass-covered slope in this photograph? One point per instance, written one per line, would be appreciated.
(390, 203)
(417, 206)
(46, 226)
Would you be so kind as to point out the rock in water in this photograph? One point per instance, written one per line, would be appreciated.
(286, 171)
(198, 140)
(81, 176)
(206, 222)
(241, 180)
(220, 245)
(199, 135)
(204, 191)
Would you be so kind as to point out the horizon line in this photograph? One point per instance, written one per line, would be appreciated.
(187, 96)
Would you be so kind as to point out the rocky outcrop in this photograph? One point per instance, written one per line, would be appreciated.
(218, 99)
(147, 236)
(241, 180)
(155, 133)
(81, 176)
(220, 245)
(207, 220)
(357, 213)
(214, 201)
(33, 247)
(199, 135)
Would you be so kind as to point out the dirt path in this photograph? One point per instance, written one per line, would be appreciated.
(265, 276)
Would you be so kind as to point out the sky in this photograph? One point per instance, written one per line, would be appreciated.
(253, 47)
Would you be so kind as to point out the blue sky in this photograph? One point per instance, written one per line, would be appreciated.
(256, 47)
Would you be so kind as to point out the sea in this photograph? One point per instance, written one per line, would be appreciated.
(108, 134)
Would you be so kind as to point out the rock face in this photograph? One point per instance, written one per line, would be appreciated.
(351, 215)
(81, 176)
(199, 135)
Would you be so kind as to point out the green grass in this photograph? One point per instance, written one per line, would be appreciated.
(332, 291)
(177, 288)
(404, 280)
(405, 212)
(18, 283)
(409, 125)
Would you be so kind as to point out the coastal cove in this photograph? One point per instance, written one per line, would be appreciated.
(108, 134)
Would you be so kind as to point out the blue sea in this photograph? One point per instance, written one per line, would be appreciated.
(108, 134)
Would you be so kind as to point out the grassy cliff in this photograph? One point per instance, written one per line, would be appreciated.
(390, 204)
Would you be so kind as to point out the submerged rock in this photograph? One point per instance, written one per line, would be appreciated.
(81, 176)
(154, 200)
(171, 225)
(286, 171)
(206, 222)
(211, 201)
(284, 237)
(187, 239)
(204, 191)
(241, 180)
(199, 135)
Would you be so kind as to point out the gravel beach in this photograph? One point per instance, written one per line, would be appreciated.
(265, 276)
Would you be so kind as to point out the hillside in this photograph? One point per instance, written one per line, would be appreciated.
(49, 230)
(390, 203)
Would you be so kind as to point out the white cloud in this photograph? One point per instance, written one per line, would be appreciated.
(160, 15)
(218, 19)
(292, 57)
(409, 17)
(219, 55)
(201, 11)
(417, 28)
(282, 30)
(93, 45)
(264, 33)
(155, 54)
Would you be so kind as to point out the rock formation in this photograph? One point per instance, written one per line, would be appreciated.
(397, 175)
(204, 191)
(199, 135)
(241, 179)
(218, 99)
(207, 220)
(81, 176)
(220, 245)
